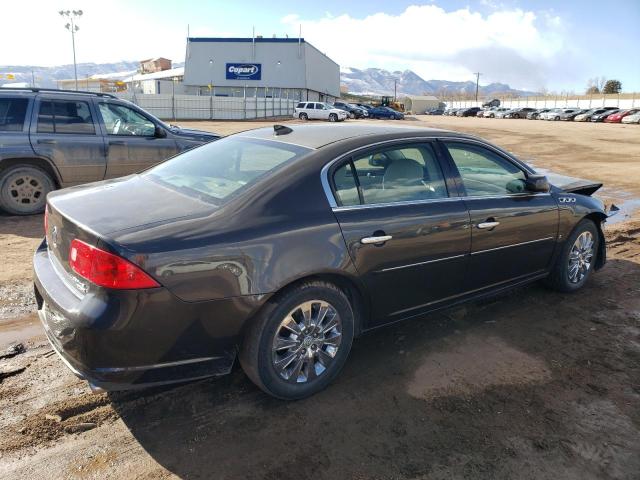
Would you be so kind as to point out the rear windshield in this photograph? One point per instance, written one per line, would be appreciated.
(221, 169)
(12, 113)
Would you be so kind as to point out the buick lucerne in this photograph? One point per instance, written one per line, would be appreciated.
(279, 246)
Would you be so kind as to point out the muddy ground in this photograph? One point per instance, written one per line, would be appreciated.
(533, 384)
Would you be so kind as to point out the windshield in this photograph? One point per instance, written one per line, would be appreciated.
(223, 168)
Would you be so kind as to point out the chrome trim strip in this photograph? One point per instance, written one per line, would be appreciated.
(155, 365)
(512, 245)
(422, 263)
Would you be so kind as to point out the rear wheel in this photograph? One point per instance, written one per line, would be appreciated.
(577, 259)
(23, 189)
(303, 116)
(300, 342)
(333, 117)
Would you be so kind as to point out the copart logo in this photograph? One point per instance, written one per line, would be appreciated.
(567, 199)
(243, 71)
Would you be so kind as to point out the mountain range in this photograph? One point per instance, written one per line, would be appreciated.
(372, 81)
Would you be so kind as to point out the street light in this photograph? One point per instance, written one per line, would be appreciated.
(211, 76)
(72, 15)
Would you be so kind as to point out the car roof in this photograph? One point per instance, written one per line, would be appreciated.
(318, 136)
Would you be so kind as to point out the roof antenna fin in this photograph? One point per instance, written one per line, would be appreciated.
(281, 130)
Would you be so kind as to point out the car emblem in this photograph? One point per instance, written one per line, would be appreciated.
(54, 236)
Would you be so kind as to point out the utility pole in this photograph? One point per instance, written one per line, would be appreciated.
(477, 83)
(73, 28)
(395, 89)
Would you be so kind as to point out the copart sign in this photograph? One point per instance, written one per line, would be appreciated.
(244, 71)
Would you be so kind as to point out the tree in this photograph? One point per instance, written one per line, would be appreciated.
(592, 90)
(612, 86)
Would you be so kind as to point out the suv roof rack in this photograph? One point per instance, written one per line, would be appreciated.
(55, 90)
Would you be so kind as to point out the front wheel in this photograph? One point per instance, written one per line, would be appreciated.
(577, 259)
(299, 342)
(23, 189)
(303, 116)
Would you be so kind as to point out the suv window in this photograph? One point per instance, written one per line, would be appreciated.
(12, 113)
(485, 173)
(399, 174)
(122, 120)
(65, 116)
(301, 105)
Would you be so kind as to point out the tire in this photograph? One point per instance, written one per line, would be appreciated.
(492, 116)
(23, 189)
(352, 115)
(258, 356)
(560, 278)
(333, 117)
(303, 116)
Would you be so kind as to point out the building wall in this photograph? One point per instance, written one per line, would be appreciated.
(322, 73)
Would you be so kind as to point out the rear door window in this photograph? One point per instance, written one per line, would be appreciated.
(65, 116)
(12, 113)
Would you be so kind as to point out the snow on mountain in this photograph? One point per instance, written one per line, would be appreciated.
(381, 82)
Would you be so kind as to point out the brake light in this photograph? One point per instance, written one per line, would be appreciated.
(106, 269)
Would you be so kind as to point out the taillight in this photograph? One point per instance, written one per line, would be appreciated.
(46, 219)
(106, 269)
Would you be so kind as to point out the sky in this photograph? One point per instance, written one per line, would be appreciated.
(534, 45)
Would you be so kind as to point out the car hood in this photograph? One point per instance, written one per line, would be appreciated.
(123, 203)
(193, 134)
(573, 184)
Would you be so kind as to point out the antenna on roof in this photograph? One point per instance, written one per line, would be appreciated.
(281, 130)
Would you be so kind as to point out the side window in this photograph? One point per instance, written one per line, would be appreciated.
(12, 114)
(485, 173)
(397, 174)
(122, 120)
(300, 105)
(65, 116)
(319, 106)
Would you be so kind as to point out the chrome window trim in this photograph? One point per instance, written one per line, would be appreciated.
(326, 185)
(545, 239)
(390, 269)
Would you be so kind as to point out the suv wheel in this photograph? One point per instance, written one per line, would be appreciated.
(333, 117)
(23, 189)
(299, 343)
(303, 116)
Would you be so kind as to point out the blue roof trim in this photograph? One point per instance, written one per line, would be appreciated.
(244, 40)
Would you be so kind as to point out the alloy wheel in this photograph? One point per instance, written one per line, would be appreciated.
(306, 341)
(581, 257)
(26, 190)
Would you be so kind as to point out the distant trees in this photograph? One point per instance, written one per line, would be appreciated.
(591, 90)
(612, 86)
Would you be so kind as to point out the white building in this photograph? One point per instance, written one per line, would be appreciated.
(260, 67)
(165, 81)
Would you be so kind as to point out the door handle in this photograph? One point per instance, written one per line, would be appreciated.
(116, 142)
(47, 141)
(488, 225)
(374, 240)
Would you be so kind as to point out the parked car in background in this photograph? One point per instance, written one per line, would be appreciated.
(437, 111)
(319, 111)
(600, 117)
(618, 116)
(278, 246)
(491, 103)
(569, 116)
(468, 112)
(556, 114)
(520, 112)
(352, 110)
(586, 116)
(52, 139)
(635, 118)
(536, 113)
(386, 112)
(491, 113)
(549, 114)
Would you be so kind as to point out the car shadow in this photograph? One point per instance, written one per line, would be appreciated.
(30, 226)
(373, 422)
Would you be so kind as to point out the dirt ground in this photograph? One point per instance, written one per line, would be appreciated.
(533, 384)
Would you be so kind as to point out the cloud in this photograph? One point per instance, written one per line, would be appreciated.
(508, 45)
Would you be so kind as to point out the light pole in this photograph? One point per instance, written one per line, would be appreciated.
(72, 15)
(211, 76)
(477, 83)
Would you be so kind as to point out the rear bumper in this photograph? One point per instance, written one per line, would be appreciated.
(126, 339)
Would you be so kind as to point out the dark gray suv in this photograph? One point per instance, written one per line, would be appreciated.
(54, 138)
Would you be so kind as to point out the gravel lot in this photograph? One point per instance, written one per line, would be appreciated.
(533, 384)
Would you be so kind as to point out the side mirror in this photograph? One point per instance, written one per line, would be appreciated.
(159, 132)
(537, 183)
